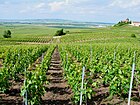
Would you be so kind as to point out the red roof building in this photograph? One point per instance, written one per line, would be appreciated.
(135, 23)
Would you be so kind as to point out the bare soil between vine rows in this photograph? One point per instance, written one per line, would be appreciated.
(101, 97)
(12, 96)
(58, 91)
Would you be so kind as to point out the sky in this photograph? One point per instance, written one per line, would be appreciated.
(79, 10)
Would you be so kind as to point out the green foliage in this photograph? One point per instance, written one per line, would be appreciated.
(102, 68)
(26, 33)
(34, 86)
(59, 33)
(36, 80)
(67, 32)
(133, 35)
(122, 23)
(43, 34)
(106, 68)
(4, 82)
(73, 74)
(15, 61)
(7, 34)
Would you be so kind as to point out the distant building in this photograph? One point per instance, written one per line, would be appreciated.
(125, 21)
(135, 23)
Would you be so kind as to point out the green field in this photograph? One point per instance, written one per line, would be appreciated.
(43, 34)
(26, 33)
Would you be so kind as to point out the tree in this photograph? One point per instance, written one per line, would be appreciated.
(59, 32)
(7, 34)
(122, 23)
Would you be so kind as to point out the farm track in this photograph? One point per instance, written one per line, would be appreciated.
(57, 91)
(92, 39)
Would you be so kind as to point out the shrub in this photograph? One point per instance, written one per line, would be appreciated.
(133, 35)
(59, 33)
(7, 34)
(67, 32)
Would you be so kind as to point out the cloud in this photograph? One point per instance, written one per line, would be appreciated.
(40, 5)
(125, 4)
(72, 6)
(94, 10)
(63, 4)
(57, 5)
(84, 11)
(33, 7)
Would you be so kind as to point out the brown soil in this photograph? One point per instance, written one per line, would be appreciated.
(57, 91)
(12, 96)
(101, 97)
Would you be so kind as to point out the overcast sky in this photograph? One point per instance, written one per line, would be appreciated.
(82, 10)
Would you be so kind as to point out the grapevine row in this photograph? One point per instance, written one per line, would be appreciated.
(108, 66)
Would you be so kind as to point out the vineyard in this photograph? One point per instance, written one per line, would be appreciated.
(107, 74)
(89, 65)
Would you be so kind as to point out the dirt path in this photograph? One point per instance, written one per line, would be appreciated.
(57, 91)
